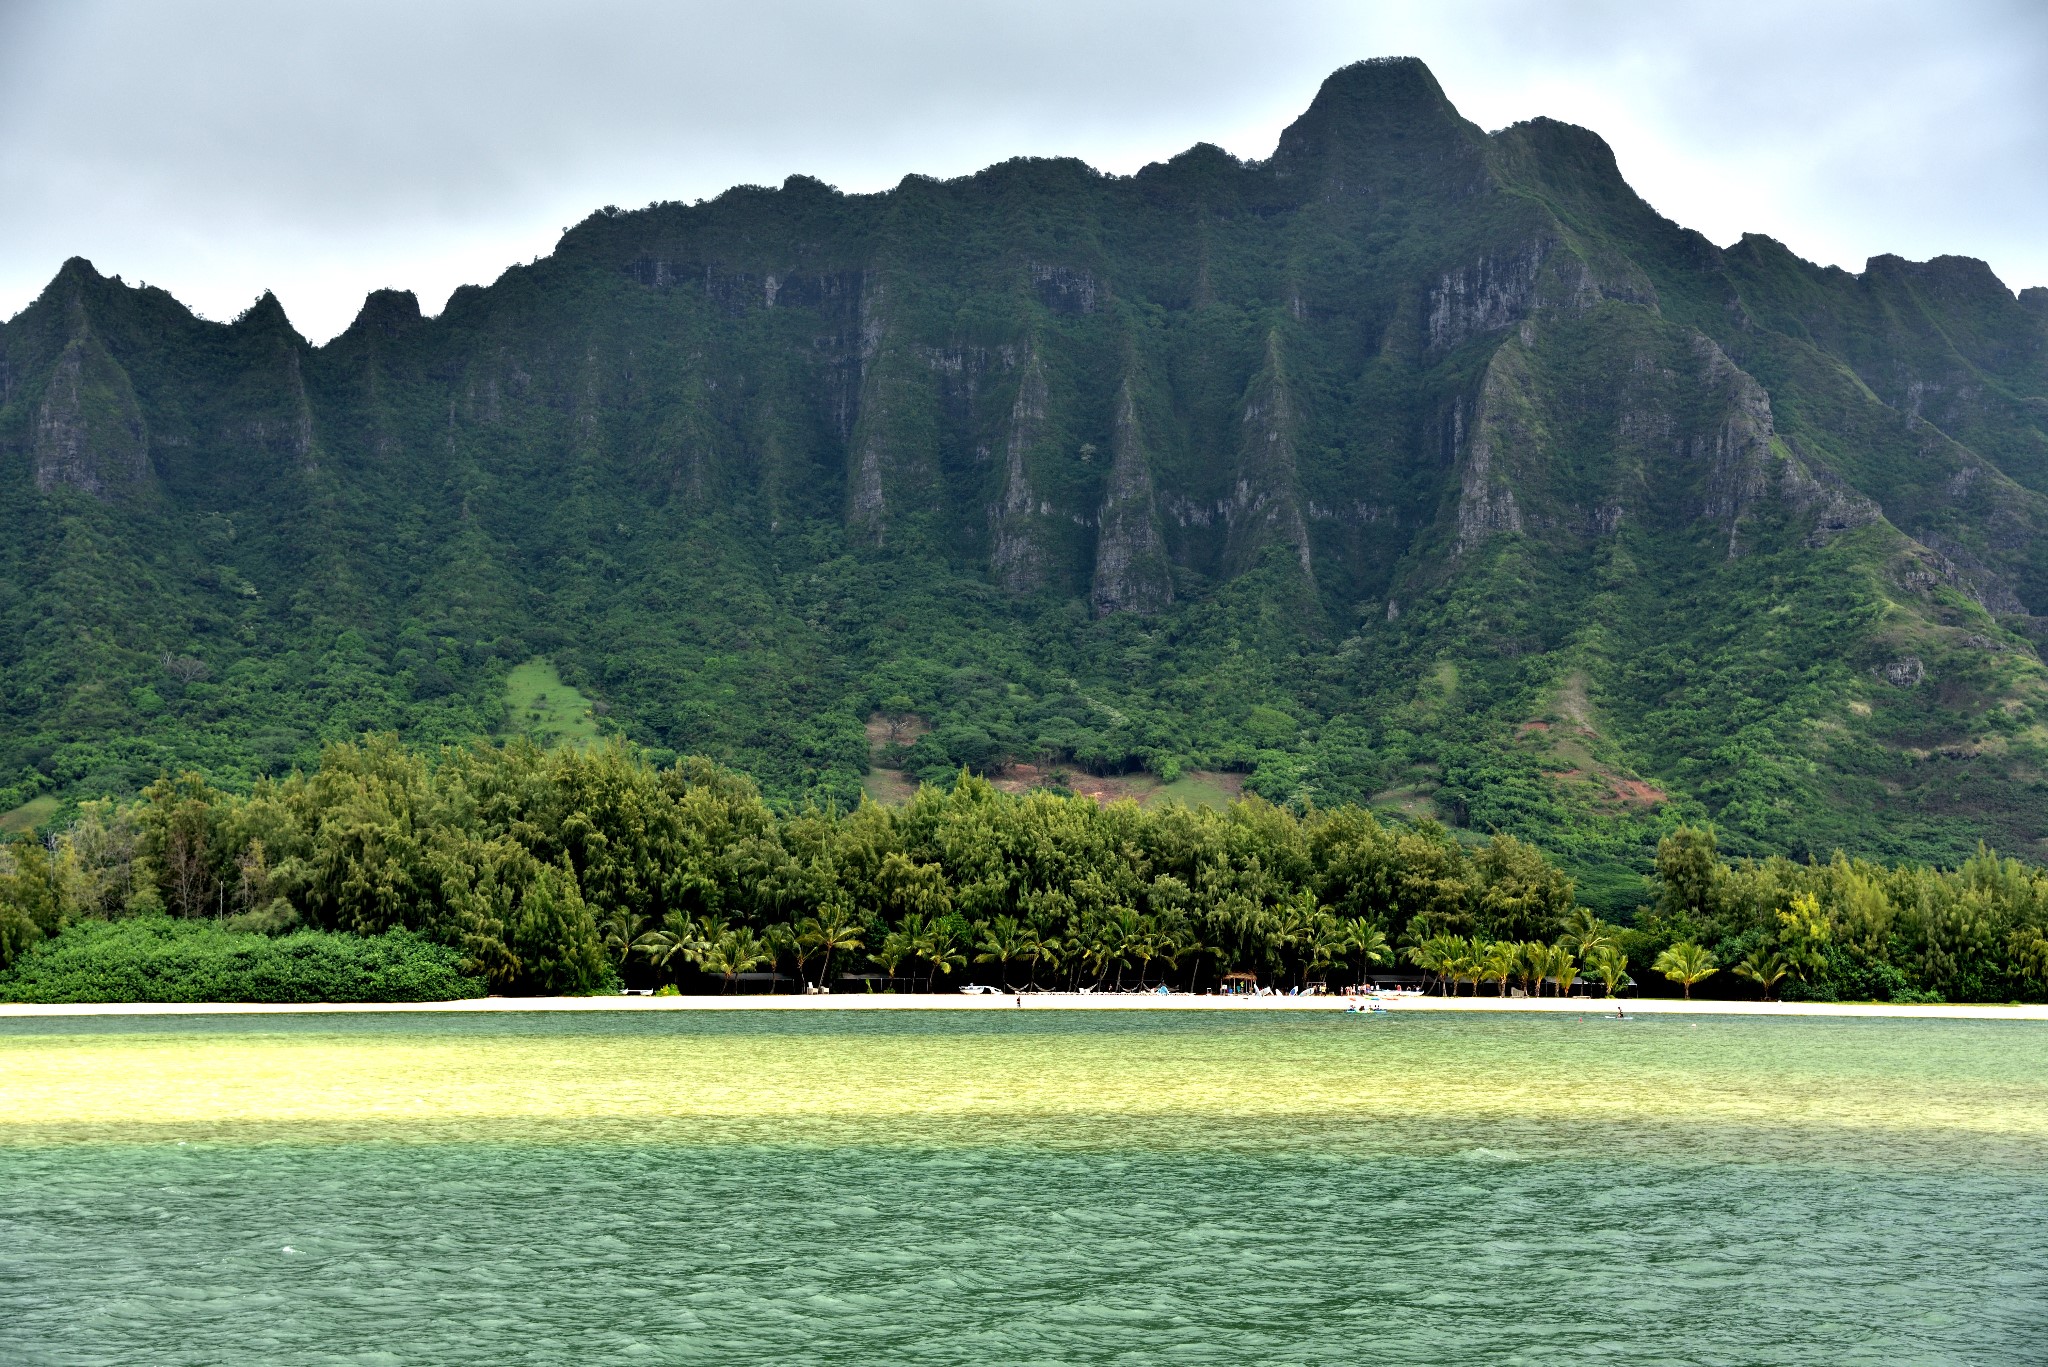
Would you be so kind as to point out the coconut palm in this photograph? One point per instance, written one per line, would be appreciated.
(1327, 942)
(1004, 941)
(626, 934)
(1560, 967)
(1535, 954)
(1607, 963)
(908, 940)
(896, 946)
(833, 929)
(1294, 927)
(1584, 932)
(1143, 945)
(1764, 969)
(1048, 953)
(1461, 962)
(736, 952)
(1107, 947)
(678, 942)
(787, 938)
(1686, 963)
(1177, 942)
(1498, 959)
(1368, 942)
(937, 944)
(1471, 963)
(1432, 955)
(1449, 962)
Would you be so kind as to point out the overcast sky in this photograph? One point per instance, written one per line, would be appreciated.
(219, 148)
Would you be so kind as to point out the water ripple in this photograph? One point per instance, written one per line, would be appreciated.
(1084, 1220)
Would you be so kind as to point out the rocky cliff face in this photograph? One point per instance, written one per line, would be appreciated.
(1016, 556)
(1401, 426)
(1264, 506)
(88, 432)
(1131, 569)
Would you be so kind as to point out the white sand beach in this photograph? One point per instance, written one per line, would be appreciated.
(1046, 1001)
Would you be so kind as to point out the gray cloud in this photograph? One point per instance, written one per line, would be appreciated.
(221, 147)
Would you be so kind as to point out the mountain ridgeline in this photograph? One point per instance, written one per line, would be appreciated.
(1412, 465)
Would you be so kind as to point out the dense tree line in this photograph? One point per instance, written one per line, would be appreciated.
(570, 871)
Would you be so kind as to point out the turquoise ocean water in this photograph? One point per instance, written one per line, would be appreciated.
(1041, 1188)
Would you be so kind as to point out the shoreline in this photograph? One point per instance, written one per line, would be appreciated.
(1039, 1001)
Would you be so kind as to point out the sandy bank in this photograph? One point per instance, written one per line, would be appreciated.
(1042, 1001)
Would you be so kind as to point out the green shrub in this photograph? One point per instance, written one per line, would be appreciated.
(18, 931)
(158, 959)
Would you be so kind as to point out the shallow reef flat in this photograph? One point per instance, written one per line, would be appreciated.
(1073, 1187)
(1262, 1076)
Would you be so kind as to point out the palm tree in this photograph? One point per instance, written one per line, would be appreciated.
(905, 943)
(1609, 965)
(1499, 960)
(1686, 963)
(1176, 944)
(1764, 969)
(1048, 952)
(1535, 954)
(1466, 965)
(736, 952)
(626, 934)
(896, 946)
(1443, 955)
(1294, 927)
(834, 928)
(1107, 947)
(678, 938)
(1128, 930)
(1427, 956)
(1004, 941)
(1145, 946)
(1458, 962)
(1561, 969)
(938, 946)
(1585, 932)
(787, 937)
(1327, 942)
(1368, 943)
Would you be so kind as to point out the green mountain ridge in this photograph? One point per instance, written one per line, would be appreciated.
(1413, 464)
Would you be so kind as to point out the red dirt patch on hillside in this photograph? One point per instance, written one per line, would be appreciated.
(1630, 792)
(1635, 791)
(1022, 778)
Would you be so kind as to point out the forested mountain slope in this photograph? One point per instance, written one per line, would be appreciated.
(1412, 464)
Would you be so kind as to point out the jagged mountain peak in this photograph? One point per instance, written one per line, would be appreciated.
(266, 316)
(1372, 119)
(1325, 469)
(1383, 96)
(386, 313)
(78, 270)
